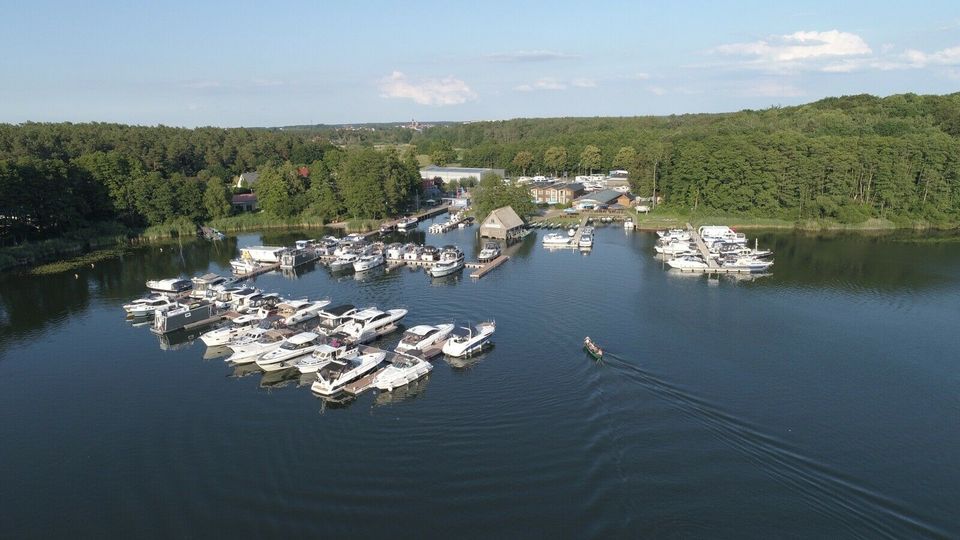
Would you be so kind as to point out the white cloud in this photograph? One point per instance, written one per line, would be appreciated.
(799, 50)
(657, 90)
(445, 91)
(530, 56)
(944, 57)
(584, 83)
(546, 83)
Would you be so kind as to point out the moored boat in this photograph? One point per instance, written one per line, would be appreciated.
(333, 377)
(471, 342)
(170, 286)
(402, 371)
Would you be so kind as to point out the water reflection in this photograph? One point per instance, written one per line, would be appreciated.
(409, 392)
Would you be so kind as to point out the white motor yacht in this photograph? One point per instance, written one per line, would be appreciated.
(224, 334)
(556, 239)
(323, 355)
(402, 371)
(368, 262)
(628, 224)
(296, 346)
(470, 343)
(332, 377)
(411, 252)
(368, 324)
(750, 263)
(146, 307)
(586, 241)
(395, 251)
(451, 261)
(332, 317)
(244, 266)
(674, 234)
(676, 247)
(423, 336)
(344, 261)
(205, 286)
(688, 262)
(490, 251)
(249, 352)
(297, 311)
(170, 286)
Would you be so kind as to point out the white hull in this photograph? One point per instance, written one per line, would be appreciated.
(395, 376)
(360, 367)
(460, 346)
(441, 270)
(249, 353)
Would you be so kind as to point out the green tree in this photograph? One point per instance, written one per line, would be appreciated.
(273, 194)
(217, 198)
(442, 153)
(590, 158)
(625, 159)
(322, 199)
(555, 158)
(522, 161)
(493, 193)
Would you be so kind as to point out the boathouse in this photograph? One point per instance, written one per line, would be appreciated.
(503, 224)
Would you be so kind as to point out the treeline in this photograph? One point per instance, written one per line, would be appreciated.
(56, 178)
(848, 158)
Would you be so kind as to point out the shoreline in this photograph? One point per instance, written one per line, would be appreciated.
(73, 254)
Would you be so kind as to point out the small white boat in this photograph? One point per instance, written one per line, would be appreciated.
(628, 224)
(688, 262)
(146, 299)
(296, 346)
(470, 343)
(674, 234)
(556, 239)
(332, 377)
(422, 337)
(170, 286)
(244, 266)
(401, 372)
(675, 247)
(407, 223)
(205, 286)
(429, 253)
(149, 307)
(249, 352)
(323, 355)
(368, 262)
(451, 261)
(586, 241)
(490, 251)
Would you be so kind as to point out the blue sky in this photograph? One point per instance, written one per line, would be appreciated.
(238, 63)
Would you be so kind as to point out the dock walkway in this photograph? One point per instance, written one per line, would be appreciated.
(702, 247)
(260, 270)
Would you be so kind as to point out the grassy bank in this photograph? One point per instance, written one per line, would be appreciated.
(660, 219)
(260, 221)
(87, 259)
(70, 245)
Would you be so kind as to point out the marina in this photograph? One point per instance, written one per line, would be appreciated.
(662, 398)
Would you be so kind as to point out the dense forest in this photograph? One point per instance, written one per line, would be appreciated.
(847, 159)
(55, 178)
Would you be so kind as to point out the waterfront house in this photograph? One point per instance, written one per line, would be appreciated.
(626, 200)
(247, 179)
(245, 202)
(503, 224)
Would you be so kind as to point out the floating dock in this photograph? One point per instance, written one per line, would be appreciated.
(486, 268)
(261, 270)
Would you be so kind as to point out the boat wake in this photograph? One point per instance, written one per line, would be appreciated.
(861, 511)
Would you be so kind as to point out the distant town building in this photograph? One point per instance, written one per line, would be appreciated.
(449, 174)
(503, 224)
(597, 199)
(555, 193)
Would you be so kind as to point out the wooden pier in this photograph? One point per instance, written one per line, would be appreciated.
(702, 247)
(485, 268)
(394, 264)
(426, 214)
(260, 270)
(362, 384)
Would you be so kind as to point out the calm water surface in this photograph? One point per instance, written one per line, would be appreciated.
(821, 401)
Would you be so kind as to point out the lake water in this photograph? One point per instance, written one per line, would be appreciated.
(822, 401)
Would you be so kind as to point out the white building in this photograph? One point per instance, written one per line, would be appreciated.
(448, 174)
